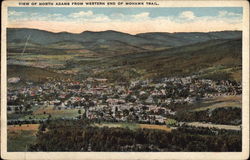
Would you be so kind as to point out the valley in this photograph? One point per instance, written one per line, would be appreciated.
(143, 86)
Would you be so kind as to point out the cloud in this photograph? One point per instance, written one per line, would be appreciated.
(86, 16)
(15, 13)
(100, 18)
(117, 16)
(34, 14)
(226, 13)
(187, 15)
(143, 15)
(81, 14)
(135, 23)
(133, 27)
(55, 15)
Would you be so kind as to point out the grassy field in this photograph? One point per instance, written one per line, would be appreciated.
(134, 126)
(40, 113)
(24, 127)
(153, 126)
(219, 126)
(27, 73)
(171, 122)
(39, 116)
(225, 98)
(221, 102)
(55, 113)
(19, 137)
(131, 126)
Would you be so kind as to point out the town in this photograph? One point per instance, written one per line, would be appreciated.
(143, 101)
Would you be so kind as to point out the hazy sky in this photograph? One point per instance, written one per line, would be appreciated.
(129, 20)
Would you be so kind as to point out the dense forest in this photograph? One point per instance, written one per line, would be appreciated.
(80, 135)
(229, 116)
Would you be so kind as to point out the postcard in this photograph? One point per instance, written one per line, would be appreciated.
(125, 80)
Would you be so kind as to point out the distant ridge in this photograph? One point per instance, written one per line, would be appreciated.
(157, 38)
(108, 42)
(121, 32)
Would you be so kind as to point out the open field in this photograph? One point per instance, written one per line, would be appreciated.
(55, 58)
(131, 126)
(55, 113)
(134, 126)
(153, 126)
(221, 102)
(24, 127)
(226, 98)
(171, 122)
(34, 74)
(19, 137)
(219, 126)
(37, 117)
(111, 125)
(44, 112)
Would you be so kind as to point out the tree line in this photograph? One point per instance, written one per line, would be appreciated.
(66, 135)
(228, 116)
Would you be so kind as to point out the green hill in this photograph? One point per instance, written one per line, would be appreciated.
(219, 59)
(28, 73)
(106, 42)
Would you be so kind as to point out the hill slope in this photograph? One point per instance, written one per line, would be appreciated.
(122, 57)
(180, 39)
(28, 73)
(219, 59)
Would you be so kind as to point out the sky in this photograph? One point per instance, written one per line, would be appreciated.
(128, 20)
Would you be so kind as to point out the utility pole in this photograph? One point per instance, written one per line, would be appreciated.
(25, 44)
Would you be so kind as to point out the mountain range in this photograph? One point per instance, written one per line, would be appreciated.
(123, 56)
(106, 41)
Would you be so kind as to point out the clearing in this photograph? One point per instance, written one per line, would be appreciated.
(20, 137)
(210, 125)
(222, 101)
(134, 126)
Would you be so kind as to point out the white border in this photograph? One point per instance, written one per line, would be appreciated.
(137, 155)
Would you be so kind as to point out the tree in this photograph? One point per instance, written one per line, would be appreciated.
(125, 112)
(79, 111)
(16, 109)
(42, 127)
